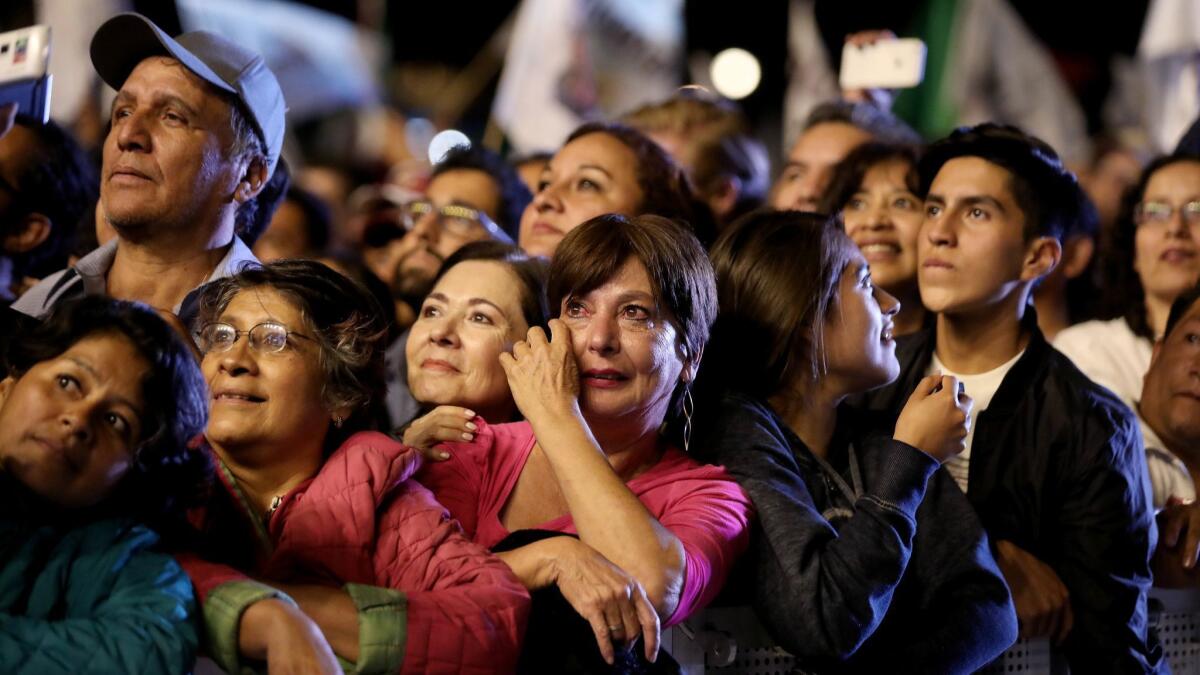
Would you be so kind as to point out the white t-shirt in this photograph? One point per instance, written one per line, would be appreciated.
(1169, 476)
(1109, 353)
(981, 388)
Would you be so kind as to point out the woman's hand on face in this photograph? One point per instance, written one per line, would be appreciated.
(294, 642)
(442, 424)
(613, 602)
(936, 418)
(543, 375)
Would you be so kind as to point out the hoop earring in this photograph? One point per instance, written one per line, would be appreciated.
(689, 407)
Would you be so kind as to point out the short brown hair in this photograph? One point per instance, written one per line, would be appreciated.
(666, 190)
(777, 278)
(719, 142)
(680, 275)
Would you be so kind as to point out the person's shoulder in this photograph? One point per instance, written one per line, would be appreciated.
(1092, 413)
(369, 457)
(1075, 387)
(733, 424)
(36, 301)
(1097, 334)
(108, 543)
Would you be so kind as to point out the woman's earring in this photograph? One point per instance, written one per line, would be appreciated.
(337, 421)
(689, 406)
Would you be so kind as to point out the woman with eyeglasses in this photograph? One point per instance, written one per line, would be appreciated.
(315, 542)
(1154, 256)
(874, 192)
(96, 410)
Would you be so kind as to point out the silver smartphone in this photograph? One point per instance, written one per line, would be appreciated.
(24, 75)
(886, 64)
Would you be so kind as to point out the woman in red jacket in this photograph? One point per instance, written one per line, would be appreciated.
(315, 542)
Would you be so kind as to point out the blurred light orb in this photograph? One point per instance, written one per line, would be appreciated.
(444, 142)
(735, 73)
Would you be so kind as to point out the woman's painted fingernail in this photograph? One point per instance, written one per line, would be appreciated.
(467, 436)
(470, 414)
(471, 426)
(443, 455)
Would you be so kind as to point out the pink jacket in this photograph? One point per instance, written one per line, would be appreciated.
(361, 520)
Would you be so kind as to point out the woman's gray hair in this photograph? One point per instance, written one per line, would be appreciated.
(345, 322)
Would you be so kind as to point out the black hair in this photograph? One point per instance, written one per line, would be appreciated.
(881, 124)
(1047, 194)
(61, 183)
(167, 477)
(530, 272)
(1180, 307)
(1083, 291)
(254, 215)
(514, 196)
(848, 174)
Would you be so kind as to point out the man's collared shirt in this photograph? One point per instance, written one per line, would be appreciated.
(1169, 476)
(89, 276)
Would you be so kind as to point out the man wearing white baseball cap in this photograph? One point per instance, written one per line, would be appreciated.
(197, 126)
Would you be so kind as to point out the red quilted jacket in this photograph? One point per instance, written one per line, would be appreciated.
(362, 520)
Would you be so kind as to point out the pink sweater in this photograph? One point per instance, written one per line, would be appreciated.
(700, 504)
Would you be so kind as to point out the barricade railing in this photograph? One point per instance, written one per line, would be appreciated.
(731, 641)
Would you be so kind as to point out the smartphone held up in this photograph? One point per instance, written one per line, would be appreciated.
(24, 76)
(883, 64)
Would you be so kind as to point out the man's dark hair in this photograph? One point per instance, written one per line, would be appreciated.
(60, 183)
(514, 196)
(255, 215)
(1181, 306)
(881, 124)
(166, 477)
(1047, 194)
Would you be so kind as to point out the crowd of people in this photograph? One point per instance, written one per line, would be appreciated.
(909, 401)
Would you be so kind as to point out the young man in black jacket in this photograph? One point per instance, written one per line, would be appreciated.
(1054, 464)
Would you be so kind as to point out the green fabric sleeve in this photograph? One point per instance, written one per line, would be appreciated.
(382, 628)
(223, 610)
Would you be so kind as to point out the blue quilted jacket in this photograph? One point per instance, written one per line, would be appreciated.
(92, 598)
